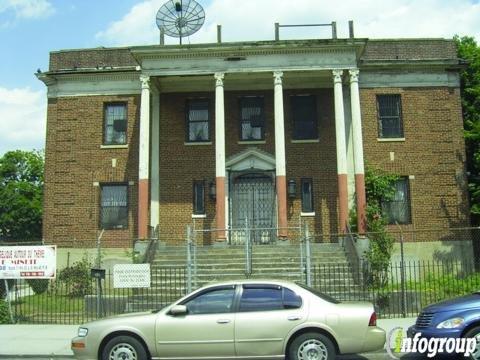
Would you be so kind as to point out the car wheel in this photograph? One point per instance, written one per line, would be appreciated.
(311, 346)
(124, 348)
(474, 333)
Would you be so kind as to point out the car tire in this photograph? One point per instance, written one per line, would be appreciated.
(124, 348)
(474, 332)
(311, 346)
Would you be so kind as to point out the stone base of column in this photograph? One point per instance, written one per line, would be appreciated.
(220, 209)
(342, 203)
(282, 207)
(143, 199)
(361, 203)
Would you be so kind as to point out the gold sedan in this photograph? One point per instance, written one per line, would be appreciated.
(237, 319)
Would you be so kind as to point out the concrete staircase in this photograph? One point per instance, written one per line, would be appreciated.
(331, 271)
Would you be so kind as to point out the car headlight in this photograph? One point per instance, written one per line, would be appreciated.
(451, 323)
(82, 332)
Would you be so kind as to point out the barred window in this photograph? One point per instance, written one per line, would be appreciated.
(198, 120)
(304, 115)
(115, 124)
(199, 197)
(307, 195)
(398, 209)
(252, 121)
(114, 206)
(389, 109)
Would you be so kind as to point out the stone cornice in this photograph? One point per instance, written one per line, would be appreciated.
(226, 52)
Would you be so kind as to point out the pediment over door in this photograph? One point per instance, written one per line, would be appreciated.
(249, 159)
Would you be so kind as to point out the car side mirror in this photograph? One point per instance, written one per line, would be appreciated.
(178, 310)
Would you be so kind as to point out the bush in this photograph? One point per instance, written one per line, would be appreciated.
(77, 278)
(39, 286)
(4, 313)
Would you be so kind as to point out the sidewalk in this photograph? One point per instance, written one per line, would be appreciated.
(53, 341)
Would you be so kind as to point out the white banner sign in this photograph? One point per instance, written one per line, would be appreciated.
(131, 276)
(28, 262)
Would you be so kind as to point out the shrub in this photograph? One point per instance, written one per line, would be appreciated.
(3, 290)
(39, 286)
(77, 278)
(4, 313)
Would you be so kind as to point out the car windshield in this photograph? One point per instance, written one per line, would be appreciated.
(320, 294)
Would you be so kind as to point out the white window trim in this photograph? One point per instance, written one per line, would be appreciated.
(120, 146)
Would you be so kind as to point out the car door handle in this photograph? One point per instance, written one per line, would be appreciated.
(293, 318)
(223, 321)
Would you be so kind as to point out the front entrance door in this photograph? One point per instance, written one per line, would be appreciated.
(252, 204)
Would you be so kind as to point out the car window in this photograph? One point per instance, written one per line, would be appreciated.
(212, 302)
(257, 298)
(291, 300)
(320, 294)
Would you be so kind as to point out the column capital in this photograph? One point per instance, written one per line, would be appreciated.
(145, 80)
(337, 75)
(353, 75)
(277, 77)
(219, 76)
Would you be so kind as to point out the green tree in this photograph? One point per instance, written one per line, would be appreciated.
(469, 51)
(21, 194)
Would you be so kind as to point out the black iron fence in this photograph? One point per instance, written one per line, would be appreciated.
(76, 299)
(403, 289)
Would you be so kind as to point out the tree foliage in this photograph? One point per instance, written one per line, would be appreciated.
(21, 194)
(469, 51)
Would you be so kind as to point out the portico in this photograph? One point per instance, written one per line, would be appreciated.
(267, 69)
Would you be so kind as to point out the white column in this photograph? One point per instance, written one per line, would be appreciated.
(155, 174)
(220, 155)
(341, 150)
(356, 122)
(358, 152)
(280, 165)
(144, 158)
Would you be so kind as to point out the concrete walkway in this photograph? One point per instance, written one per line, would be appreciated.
(53, 341)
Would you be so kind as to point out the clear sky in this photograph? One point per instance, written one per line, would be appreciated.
(30, 29)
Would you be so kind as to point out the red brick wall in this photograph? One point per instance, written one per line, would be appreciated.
(433, 151)
(74, 161)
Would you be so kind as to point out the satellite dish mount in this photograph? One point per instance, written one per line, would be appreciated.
(180, 18)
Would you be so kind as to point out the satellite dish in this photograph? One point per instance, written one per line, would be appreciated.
(179, 18)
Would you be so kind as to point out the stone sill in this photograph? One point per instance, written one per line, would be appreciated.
(252, 142)
(306, 141)
(391, 139)
(199, 216)
(114, 146)
(307, 214)
(197, 143)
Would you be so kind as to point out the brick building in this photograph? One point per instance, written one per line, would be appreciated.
(273, 132)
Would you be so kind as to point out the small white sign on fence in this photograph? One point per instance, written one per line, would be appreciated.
(131, 276)
(28, 262)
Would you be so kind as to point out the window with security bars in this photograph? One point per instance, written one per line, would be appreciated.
(115, 124)
(114, 206)
(389, 109)
(397, 210)
(252, 121)
(198, 120)
(199, 197)
(307, 195)
(304, 115)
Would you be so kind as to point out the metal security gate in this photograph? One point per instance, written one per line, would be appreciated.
(252, 205)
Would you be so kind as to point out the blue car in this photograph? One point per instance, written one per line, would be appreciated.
(454, 318)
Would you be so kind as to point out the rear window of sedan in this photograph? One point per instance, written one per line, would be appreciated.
(264, 298)
(320, 294)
